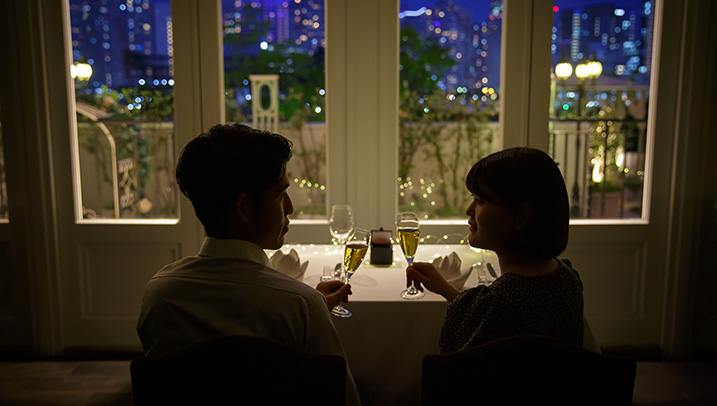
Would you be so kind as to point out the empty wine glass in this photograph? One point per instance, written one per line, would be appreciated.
(408, 231)
(341, 225)
(354, 253)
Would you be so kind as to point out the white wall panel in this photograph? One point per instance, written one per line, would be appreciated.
(102, 299)
(613, 276)
(113, 276)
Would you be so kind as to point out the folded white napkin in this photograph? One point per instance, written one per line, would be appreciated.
(449, 267)
(459, 281)
(289, 264)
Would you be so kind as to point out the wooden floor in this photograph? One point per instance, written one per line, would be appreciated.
(108, 383)
(675, 383)
(65, 383)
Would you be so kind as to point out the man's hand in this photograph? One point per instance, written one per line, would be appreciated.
(334, 291)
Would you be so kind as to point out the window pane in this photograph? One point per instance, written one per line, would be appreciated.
(449, 95)
(274, 80)
(122, 53)
(599, 112)
(3, 187)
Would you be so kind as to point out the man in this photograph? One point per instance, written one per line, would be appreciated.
(235, 177)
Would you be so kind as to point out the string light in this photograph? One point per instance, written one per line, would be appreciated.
(305, 183)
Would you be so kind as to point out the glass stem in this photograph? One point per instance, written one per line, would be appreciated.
(341, 301)
(412, 289)
(338, 273)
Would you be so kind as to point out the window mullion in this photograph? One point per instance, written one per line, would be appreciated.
(211, 60)
(515, 72)
(362, 106)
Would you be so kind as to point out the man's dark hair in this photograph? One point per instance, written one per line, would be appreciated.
(529, 176)
(216, 167)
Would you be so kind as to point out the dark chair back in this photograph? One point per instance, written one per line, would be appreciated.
(527, 369)
(239, 370)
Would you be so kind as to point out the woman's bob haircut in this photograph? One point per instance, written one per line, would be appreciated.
(526, 176)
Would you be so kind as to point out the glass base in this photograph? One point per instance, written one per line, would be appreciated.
(340, 311)
(412, 294)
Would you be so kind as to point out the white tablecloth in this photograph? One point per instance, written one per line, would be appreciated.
(386, 338)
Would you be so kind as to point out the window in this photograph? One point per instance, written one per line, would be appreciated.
(449, 100)
(274, 80)
(601, 67)
(123, 75)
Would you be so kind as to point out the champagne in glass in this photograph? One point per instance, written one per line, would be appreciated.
(353, 256)
(409, 233)
(408, 239)
(341, 225)
(354, 253)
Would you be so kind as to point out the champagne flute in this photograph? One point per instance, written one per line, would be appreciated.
(408, 234)
(341, 224)
(354, 253)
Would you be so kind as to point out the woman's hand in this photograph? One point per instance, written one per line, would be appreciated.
(334, 291)
(424, 273)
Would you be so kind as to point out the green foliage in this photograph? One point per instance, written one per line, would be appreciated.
(423, 61)
(134, 132)
(234, 111)
(154, 105)
(103, 99)
(148, 145)
(309, 152)
(448, 131)
(609, 187)
(451, 134)
(301, 79)
(301, 75)
(606, 139)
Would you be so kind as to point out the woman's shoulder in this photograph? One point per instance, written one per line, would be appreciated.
(472, 297)
(565, 263)
(518, 284)
(566, 266)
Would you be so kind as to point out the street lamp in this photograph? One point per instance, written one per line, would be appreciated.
(81, 71)
(563, 70)
(594, 69)
(583, 71)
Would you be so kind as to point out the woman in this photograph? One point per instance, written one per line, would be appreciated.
(520, 211)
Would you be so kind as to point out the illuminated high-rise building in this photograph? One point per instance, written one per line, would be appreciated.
(126, 43)
(618, 37)
(298, 24)
(468, 40)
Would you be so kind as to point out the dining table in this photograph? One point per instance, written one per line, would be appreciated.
(387, 336)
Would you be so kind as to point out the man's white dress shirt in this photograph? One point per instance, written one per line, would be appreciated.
(229, 288)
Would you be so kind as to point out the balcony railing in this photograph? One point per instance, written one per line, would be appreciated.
(603, 163)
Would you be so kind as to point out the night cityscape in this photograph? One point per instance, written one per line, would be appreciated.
(619, 35)
(129, 44)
